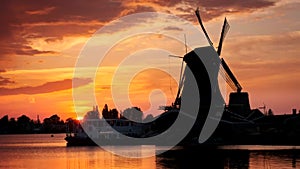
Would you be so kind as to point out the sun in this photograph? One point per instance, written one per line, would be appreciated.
(79, 118)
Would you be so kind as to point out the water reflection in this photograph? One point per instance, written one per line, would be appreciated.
(191, 158)
(92, 157)
(43, 151)
(230, 158)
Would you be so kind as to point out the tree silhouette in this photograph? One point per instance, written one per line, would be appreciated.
(12, 125)
(4, 124)
(72, 124)
(24, 124)
(55, 119)
(114, 113)
(4, 121)
(109, 114)
(53, 124)
(133, 114)
(148, 118)
(94, 114)
(105, 113)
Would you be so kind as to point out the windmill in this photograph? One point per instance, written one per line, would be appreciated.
(198, 90)
(238, 100)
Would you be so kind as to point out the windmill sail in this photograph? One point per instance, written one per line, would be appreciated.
(225, 29)
(202, 26)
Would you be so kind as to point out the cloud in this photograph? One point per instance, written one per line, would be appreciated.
(137, 9)
(27, 50)
(44, 11)
(45, 88)
(5, 81)
(19, 22)
(173, 28)
(209, 9)
(265, 61)
(55, 19)
(213, 9)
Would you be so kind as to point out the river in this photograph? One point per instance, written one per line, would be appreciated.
(43, 151)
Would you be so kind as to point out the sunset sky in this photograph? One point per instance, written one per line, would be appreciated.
(42, 40)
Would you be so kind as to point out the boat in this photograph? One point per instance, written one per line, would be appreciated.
(94, 130)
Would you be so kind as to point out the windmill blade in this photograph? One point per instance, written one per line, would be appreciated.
(175, 56)
(231, 76)
(202, 26)
(225, 29)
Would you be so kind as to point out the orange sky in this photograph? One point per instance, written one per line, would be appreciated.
(41, 40)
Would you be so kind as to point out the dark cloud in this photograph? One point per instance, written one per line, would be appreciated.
(27, 50)
(173, 28)
(52, 39)
(7, 19)
(5, 81)
(235, 4)
(53, 19)
(104, 87)
(210, 8)
(45, 88)
(41, 11)
(22, 20)
(137, 9)
(214, 8)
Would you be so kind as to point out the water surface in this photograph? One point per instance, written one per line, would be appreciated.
(46, 152)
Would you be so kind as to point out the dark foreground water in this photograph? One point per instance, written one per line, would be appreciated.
(45, 152)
